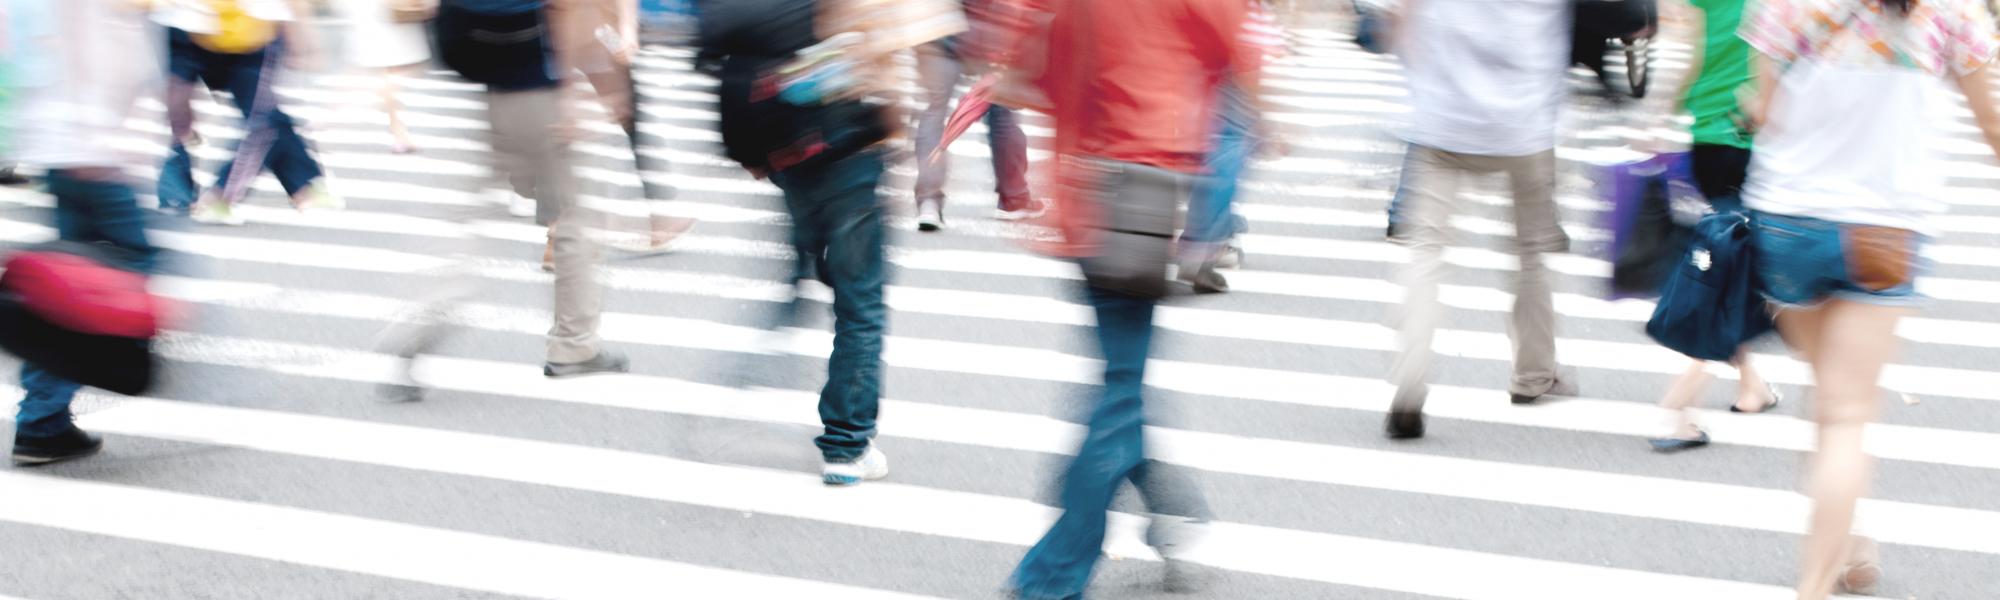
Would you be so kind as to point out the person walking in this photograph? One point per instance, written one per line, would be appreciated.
(1721, 161)
(1486, 81)
(1131, 85)
(1851, 111)
(72, 115)
(940, 67)
(1208, 242)
(393, 50)
(237, 46)
(825, 155)
(503, 44)
(599, 40)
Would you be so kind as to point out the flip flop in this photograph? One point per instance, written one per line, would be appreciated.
(1672, 445)
(1776, 397)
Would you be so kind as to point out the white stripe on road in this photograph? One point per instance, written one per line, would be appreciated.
(381, 548)
(1531, 485)
(1894, 442)
(115, 510)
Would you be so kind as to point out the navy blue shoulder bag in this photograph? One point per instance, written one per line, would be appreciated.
(1711, 304)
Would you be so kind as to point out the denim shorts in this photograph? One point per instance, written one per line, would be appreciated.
(1804, 261)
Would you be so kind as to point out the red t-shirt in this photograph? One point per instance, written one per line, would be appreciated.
(1135, 80)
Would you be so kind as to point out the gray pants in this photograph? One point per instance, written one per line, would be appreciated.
(536, 164)
(1431, 180)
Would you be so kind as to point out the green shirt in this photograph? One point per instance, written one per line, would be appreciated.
(1725, 66)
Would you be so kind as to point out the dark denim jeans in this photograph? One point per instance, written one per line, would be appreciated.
(1059, 566)
(269, 139)
(838, 234)
(87, 210)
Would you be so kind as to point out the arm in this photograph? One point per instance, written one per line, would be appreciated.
(1978, 88)
(1757, 103)
(300, 36)
(1696, 21)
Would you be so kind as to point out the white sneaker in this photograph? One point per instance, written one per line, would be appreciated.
(872, 465)
(930, 216)
(517, 205)
(215, 212)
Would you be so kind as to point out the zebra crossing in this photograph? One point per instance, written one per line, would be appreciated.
(264, 467)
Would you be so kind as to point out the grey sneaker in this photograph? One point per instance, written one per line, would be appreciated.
(1171, 536)
(606, 361)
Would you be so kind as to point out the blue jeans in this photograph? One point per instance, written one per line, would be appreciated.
(1059, 566)
(838, 234)
(1211, 218)
(269, 139)
(87, 210)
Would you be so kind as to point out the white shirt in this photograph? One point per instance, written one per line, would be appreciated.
(75, 115)
(1854, 144)
(199, 16)
(1486, 77)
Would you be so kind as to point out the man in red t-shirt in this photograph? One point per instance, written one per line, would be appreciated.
(1130, 84)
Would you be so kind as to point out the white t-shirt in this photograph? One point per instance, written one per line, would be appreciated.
(1856, 130)
(1486, 77)
(75, 114)
(199, 16)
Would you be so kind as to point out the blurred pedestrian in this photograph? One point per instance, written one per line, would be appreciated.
(1486, 82)
(70, 120)
(1132, 86)
(504, 45)
(1208, 242)
(599, 39)
(1846, 184)
(383, 36)
(941, 66)
(817, 134)
(1721, 157)
(238, 46)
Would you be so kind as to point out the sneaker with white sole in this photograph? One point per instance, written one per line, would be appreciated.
(1032, 209)
(870, 466)
(930, 216)
(210, 211)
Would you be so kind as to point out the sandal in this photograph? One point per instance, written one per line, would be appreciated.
(1671, 445)
(1775, 398)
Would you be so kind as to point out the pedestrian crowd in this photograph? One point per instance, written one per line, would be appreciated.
(1814, 132)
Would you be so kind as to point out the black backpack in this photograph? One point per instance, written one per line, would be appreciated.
(743, 42)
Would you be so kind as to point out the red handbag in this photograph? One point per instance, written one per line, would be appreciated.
(74, 290)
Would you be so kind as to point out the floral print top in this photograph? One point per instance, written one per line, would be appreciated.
(1940, 37)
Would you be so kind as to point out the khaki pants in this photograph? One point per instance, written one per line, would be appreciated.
(532, 158)
(1431, 181)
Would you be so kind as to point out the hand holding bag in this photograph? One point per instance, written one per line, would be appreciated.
(1712, 304)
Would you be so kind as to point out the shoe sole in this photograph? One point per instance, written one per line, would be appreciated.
(552, 374)
(840, 480)
(30, 461)
(930, 227)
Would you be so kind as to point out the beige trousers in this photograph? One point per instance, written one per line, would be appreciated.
(1431, 181)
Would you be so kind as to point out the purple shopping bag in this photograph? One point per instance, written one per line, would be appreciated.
(1650, 221)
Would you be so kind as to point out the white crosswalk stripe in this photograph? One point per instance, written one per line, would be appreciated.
(265, 444)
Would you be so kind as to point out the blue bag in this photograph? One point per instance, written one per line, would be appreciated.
(1712, 304)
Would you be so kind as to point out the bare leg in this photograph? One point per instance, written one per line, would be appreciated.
(391, 84)
(1851, 344)
(1753, 394)
(1684, 393)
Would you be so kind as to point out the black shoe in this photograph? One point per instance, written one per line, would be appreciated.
(606, 361)
(400, 392)
(9, 177)
(75, 443)
(1523, 398)
(1405, 425)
